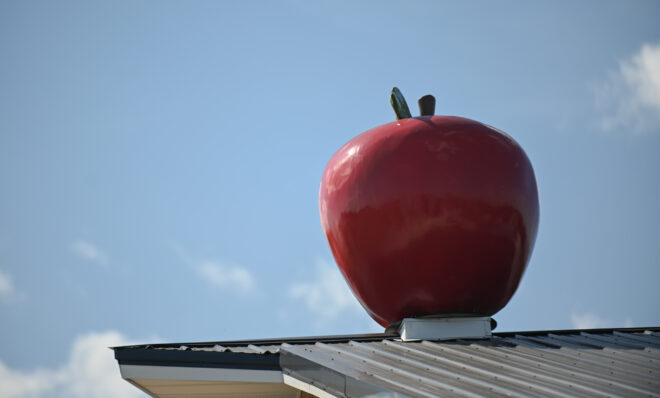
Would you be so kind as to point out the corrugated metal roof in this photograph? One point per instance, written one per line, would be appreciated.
(248, 349)
(603, 362)
(576, 364)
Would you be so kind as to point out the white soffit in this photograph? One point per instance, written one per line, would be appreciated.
(213, 389)
(412, 329)
(306, 387)
(201, 374)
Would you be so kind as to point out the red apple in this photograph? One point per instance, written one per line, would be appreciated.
(431, 215)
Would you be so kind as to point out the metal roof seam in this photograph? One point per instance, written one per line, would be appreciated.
(540, 376)
(440, 385)
(515, 380)
(404, 387)
(627, 343)
(586, 378)
(483, 383)
(622, 358)
(634, 349)
(544, 367)
(257, 349)
(343, 365)
(523, 371)
(600, 367)
(590, 341)
(647, 343)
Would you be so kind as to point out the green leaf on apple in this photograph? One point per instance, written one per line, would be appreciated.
(399, 104)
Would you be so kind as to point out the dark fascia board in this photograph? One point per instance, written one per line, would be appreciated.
(199, 359)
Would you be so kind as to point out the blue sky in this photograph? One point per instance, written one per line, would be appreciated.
(160, 164)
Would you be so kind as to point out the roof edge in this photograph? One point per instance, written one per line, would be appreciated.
(636, 329)
(363, 338)
(142, 356)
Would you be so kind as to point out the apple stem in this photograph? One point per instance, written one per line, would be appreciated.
(426, 105)
(399, 104)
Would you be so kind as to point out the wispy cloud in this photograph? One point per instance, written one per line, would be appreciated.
(630, 98)
(223, 275)
(6, 286)
(327, 295)
(88, 251)
(588, 320)
(227, 276)
(91, 371)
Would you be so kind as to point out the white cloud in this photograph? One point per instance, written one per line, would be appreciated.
(327, 296)
(219, 274)
(88, 251)
(227, 276)
(630, 98)
(6, 286)
(91, 372)
(588, 321)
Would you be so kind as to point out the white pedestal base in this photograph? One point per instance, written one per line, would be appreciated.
(444, 328)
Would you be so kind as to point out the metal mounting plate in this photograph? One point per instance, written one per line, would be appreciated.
(445, 328)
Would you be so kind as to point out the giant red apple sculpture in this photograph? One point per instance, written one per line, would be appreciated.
(431, 215)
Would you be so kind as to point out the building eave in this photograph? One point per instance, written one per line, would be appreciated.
(581, 362)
